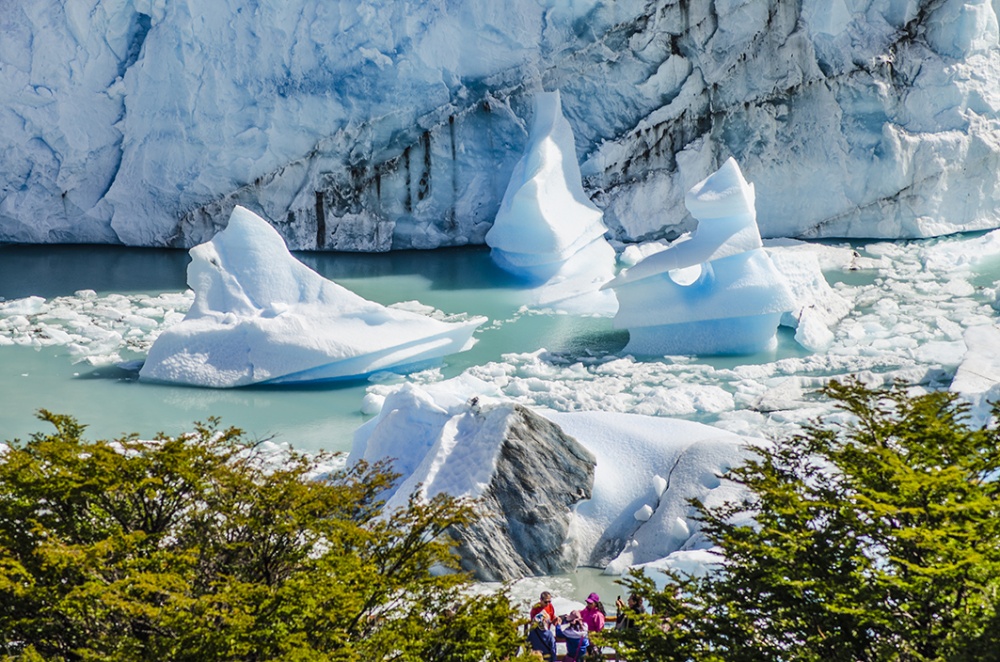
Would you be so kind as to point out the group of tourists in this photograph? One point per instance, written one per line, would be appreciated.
(575, 627)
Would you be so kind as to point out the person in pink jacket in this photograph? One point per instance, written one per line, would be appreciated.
(593, 614)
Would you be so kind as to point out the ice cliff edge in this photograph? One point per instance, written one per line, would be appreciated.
(373, 125)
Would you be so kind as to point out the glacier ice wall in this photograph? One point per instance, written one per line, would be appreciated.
(372, 124)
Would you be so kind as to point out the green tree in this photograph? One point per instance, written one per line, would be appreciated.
(877, 538)
(201, 547)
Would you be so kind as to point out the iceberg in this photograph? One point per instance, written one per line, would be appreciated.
(262, 317)
(715, 291)
(977, 379)
(547, 230)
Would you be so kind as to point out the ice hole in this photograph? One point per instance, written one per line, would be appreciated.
(686, 275)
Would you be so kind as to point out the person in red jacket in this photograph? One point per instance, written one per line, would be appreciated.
(544, 604)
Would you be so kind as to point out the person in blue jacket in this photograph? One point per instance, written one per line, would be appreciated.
(575, 634)
(541, 638)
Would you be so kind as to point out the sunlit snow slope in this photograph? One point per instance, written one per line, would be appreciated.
(372, 125)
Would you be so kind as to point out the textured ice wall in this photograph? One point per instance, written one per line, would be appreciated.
(377, 125)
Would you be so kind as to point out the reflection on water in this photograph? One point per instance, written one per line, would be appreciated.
(51, 271)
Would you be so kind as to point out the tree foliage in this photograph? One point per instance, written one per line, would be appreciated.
(875, 539)
(199, 547)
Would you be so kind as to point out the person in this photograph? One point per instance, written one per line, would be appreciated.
(594, 613)
(594, 616)
(544, 604)
(624, 618)
(541, 638)
(575, 634)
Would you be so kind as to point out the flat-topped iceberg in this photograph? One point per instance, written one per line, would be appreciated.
(715, 291)
(547, 230)
(262, 317)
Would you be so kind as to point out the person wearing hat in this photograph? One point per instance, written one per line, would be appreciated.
(575, 634)
(594, 614)
(541, 638)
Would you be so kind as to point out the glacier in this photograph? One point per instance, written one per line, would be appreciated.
(372, 125)
(260, 316)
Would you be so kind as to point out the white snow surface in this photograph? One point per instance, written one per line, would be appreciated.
(261, 316)
(442, 441)
(715, 291)
(547, 231)
(145, 123)
(977, 379)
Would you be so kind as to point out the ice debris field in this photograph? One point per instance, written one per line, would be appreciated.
(906, 307)
(921, 312)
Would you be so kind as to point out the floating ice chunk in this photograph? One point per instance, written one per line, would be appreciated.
(26, 306)
(811, 332)
(547, 230)
(261, 316)
(715, 291)
(803, 274)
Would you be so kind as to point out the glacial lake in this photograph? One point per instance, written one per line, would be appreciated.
(903, 291)
(910, 303)
(110, 401)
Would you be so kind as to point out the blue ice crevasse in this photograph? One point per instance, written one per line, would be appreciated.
(714, 291)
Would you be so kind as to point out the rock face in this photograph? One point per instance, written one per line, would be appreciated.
(541, 473)
(374, 125)
(525, 471)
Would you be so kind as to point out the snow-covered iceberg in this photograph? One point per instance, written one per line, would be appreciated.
(450, 437)
(262, 317)
(547, 231)
(715, 291)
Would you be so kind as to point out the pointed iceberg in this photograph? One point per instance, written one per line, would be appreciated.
(547, 230)
(262, 317)
(715, 291)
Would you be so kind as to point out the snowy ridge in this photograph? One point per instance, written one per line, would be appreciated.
(645, 468)
(370, 126)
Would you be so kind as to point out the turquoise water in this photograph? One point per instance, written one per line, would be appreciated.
(111, 402)
(900, 298)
